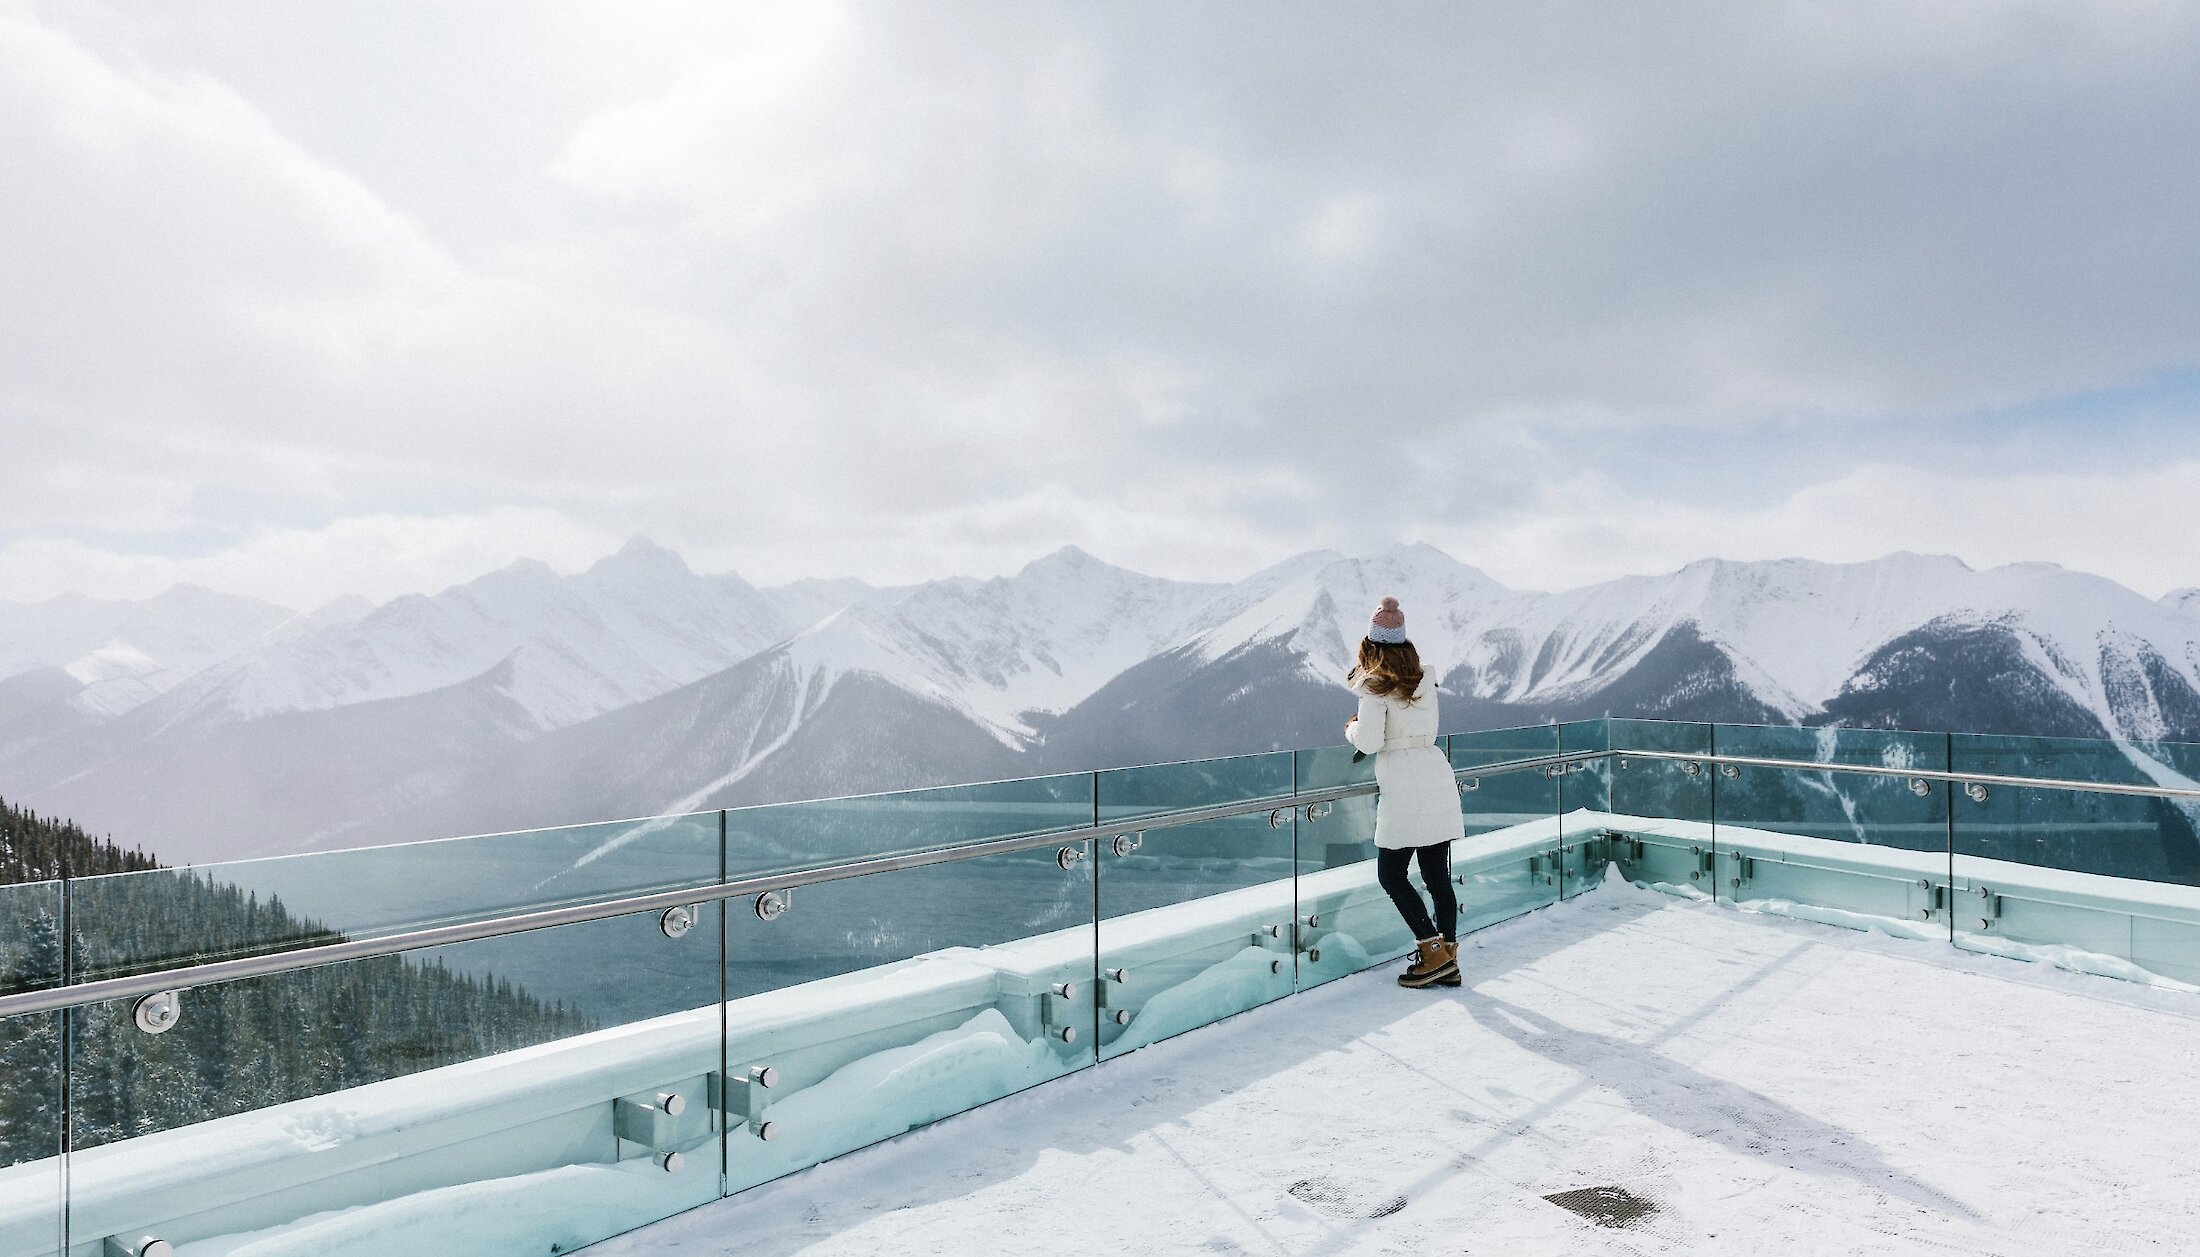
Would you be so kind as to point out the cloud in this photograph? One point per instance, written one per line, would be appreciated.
(901, 290)
(377, 556)
(2115, 525)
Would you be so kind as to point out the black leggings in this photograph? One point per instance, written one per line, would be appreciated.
(1390, 870)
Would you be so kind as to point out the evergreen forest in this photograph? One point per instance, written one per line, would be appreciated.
(240, 1046)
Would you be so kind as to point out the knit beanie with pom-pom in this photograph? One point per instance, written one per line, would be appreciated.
(1388, 625)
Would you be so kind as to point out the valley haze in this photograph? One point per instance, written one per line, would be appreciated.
(206, 727)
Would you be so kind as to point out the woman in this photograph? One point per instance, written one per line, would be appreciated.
(1417, 816)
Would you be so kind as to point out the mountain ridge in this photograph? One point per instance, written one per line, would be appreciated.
(638, 686)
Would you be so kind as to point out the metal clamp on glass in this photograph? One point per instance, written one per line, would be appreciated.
(1745, 868)
(1306, 931)
(653, 1121)
(1102, 998)
(158, 1013)
(1059, 1012)
(1989, 907)
(1124, 844)
(138, 1246)
(1935, 896)
(1272, 938)
(741, 1097)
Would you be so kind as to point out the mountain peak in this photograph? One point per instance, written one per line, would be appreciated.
(1066, 559)
(641, 554)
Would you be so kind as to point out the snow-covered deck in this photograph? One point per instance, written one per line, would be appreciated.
(1770, 1085)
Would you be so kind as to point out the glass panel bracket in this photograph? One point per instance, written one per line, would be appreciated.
(741, 1098)
(1276, 938)
(1933, 899)
(1745, 870)
(662, 1124)
(159, 1012)
(1104, 995)
(1987, 907)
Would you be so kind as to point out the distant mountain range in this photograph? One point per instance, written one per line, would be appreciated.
(210, 727)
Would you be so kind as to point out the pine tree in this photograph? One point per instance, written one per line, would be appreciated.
(239, 1047)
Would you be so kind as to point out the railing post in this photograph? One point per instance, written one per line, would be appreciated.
(1949, 758)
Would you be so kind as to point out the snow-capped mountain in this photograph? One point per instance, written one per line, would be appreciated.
(966, 680)
(2185, 601)
(122, 653)
(636, 624)
(1001, 650)
(637, 687)
(804, 602)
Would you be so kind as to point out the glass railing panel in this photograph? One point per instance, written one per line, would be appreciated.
(1335, 859)
(1351, 924)
(1868, 850)
(1498, 746)
(784, 837)
(1585, 735)
(31, 1120)
(1585, 797)
(1508, 862)
(1653, 735)
(2119, 836)
(1197, 923)
(163, 918)
(2083, 878)
(1329, 767)
(1659, 828)
(867, 1007)
(1129, 793)
(418, 1103)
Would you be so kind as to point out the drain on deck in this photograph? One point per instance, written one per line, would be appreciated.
(1340, 1200)
(1605, 1206)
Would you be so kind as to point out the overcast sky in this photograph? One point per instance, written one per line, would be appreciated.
(304, 299)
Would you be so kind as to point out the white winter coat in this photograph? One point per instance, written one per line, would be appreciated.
(1419, 804)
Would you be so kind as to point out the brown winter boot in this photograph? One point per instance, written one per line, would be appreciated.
(1437, 961)
(1451, 958)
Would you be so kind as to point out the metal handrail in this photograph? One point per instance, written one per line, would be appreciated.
(1924, 774)
(212, 973)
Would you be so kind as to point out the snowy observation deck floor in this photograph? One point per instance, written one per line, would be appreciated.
(1768, 1085)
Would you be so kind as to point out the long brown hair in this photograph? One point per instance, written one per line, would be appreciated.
(1387, 668)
